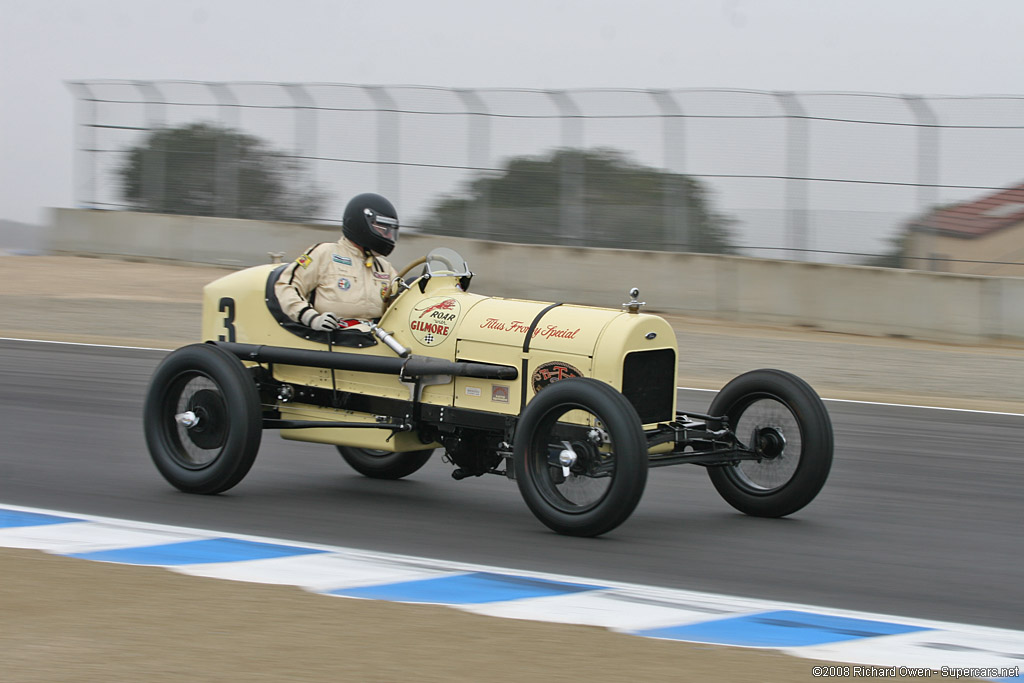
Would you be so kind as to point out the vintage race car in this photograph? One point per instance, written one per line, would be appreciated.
(574, 403)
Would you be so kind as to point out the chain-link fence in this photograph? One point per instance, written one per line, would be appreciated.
(829, 177)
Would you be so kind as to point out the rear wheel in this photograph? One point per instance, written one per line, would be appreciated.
(783, 420)
(379, 464)
(202, 419)
(580, 457)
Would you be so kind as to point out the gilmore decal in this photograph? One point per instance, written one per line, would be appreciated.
(520, 327)
(433, 320)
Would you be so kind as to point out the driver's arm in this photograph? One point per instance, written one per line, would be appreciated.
(297, 283)
(392, 285)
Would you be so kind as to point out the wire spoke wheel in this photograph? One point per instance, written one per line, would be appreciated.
(580, 457)
(573, 476)
(772, 431)
(202, 419)
(780, 418)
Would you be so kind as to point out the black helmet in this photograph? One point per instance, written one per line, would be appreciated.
(371, 222)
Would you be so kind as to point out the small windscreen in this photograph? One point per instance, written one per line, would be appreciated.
(445, 261)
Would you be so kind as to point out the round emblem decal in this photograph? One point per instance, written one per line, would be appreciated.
(432, 320)
(552, 372)
(344, 283)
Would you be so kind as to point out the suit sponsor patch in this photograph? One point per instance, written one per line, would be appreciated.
(344, 283)
(304, 261)
(343, 260)
(380, 276)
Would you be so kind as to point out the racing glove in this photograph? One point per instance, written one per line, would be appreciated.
(320, 321)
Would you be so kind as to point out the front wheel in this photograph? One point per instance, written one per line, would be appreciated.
(202, 419)
(781, 418)
(378, 464)
(580, 457)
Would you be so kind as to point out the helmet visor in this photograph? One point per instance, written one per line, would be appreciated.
(382, 225)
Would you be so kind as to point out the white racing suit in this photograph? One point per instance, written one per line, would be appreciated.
(335, 277)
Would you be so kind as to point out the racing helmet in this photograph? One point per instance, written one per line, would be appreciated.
(371, 222)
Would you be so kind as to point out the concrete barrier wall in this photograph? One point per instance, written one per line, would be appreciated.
(854, 299)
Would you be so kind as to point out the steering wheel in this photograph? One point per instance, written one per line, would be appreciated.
(418, 262)
(400, 279)
(433, 256)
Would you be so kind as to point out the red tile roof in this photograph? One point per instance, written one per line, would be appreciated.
(979, 217)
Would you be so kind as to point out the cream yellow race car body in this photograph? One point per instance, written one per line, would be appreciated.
(575, 403)
(633, 352)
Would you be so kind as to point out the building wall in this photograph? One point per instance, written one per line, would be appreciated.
(1003, 245)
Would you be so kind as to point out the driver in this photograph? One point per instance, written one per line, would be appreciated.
(339, 284)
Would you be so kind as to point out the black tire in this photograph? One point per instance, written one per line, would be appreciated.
(589, 501)
(217, 452)
(384, 464)
(762, 406)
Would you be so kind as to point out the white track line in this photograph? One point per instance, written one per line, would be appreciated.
(906, 405)
(67, 343)
(889, 405)
(831, 400)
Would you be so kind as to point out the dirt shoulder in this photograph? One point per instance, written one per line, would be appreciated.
(66, 619)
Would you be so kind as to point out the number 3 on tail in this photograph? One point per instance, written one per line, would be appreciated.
(227, 307)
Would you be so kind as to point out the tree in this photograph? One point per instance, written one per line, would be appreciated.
(592, 197)
(891, 257)
(202, 169)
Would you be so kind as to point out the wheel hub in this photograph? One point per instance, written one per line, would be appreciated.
(209, 427)
(567, 458)
(187, 419)
(574, 457)
(768, 442)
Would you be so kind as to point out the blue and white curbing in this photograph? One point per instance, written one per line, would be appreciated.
(886, 643)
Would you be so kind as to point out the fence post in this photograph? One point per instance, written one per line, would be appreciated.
(226, 163)
(388, 156)
(305, 128)
(675, 199)
(797, 150)
(927, 168)
(478, 154)
(571, 211)
(84, 174)
(154, 162)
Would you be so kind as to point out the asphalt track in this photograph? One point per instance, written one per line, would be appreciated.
(920, 517)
